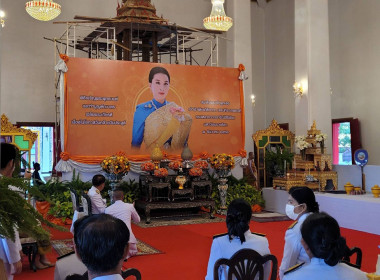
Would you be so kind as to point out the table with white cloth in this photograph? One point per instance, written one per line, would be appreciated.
(358, 212)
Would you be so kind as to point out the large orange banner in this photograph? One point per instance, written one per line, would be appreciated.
(113, 106)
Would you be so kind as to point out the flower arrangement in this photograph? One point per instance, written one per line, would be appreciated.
(243, 153)
(320, 137)
(147, 166)
(65, 156)
(202, 164)
(204, 155)
(175, 165)
(301, 142)
(222, 161)
(116, 164)
(64, 57)
(195, 172)
(161, 172)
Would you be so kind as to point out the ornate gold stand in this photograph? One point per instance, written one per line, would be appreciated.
(317, 165)
(180, 180)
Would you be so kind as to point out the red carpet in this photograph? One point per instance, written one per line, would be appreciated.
(186, 249)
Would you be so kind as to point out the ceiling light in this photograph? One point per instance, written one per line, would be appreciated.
(43, 10)
(218, 19)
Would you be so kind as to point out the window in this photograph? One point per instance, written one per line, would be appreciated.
(43, 148)
(345, 140)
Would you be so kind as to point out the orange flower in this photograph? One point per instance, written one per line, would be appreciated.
(204, 155)
(147, 166)
(65, 156)
(165, 154)
(116, 164)
(222, 161)
(174, 165)
(161, 172)
(256, 208)
(195, 171)
(64, 57)
(243, 153)
(201, 164)
(241, 67)
(121, 154)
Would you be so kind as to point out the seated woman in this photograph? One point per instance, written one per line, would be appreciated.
(239, 215)
(159, 122)
(301, 202)
(326, 247)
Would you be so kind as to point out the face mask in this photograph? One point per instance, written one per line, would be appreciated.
(289, 210)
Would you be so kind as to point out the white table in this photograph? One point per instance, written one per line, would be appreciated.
(358, 212)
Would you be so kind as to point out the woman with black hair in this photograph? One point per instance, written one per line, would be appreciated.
(158, 121)
(326, 247)
(301, 202)
(238, 237)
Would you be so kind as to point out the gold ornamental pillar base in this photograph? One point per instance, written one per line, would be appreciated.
(180, 180)
(223, 187)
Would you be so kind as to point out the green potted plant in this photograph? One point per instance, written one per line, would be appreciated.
(16, 212)
(277, 161)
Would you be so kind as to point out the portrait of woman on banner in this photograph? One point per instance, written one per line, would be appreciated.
(159, 121)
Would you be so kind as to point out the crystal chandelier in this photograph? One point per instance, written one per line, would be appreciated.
(2, 16)
(217, 19)
(44, 10)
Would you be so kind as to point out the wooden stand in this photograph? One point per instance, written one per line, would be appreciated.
(316, 165)
(148, 206)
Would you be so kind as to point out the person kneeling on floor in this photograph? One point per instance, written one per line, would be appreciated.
(125, 212)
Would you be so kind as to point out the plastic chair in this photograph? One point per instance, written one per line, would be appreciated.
(75, 201)
(86, 204)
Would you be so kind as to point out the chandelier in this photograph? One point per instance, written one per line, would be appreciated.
(217, 19)
(44, 10)
(2, 16)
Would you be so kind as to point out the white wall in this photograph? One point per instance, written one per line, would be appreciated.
(279, 62)
(354, 71)
(258, 67)
(27, 60)
(355, 67)
(354, 64)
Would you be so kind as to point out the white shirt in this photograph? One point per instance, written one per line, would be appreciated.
(68, 265)
(222, 247)
(109, 277)
(9, 250)
(294, 253)
(97, 203)
(317, 269)
(10, 254)
(125, 212)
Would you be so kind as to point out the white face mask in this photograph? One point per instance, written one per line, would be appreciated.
(289, 210)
